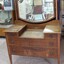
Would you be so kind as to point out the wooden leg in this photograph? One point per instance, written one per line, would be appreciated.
(58, 48)
(10, 58)
(10, 55)
(58, 60)
(9, 50)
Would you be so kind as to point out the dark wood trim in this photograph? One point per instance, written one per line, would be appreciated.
(2, 36)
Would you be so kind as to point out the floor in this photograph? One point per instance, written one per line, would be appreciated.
(4, 58)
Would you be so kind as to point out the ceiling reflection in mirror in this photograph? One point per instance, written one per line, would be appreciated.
(36, 10)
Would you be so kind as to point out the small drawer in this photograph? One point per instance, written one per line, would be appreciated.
(53, 44)
(53, 53)
(37, 52)
(21, 42)
(46, 43)
(18, 50)
(11, 36)
(50, 36)
(38, 43)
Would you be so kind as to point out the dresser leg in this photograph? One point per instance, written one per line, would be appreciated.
(58, 60)
(10, 57)
(58, 48)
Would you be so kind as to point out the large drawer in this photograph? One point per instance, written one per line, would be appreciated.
(41, 43)
(39, 52)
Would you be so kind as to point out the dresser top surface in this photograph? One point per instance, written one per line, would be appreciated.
(47, 29)
(15, 28)
(52, 29)
(33, 33)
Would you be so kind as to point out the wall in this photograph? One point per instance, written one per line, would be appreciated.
(62, 12)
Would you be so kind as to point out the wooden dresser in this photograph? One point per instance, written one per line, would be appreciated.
(34, 33)
(34, 42)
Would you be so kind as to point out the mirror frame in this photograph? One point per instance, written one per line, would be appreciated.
(17, 13)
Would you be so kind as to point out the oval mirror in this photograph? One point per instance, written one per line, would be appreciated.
(36, 11)
(20, 1)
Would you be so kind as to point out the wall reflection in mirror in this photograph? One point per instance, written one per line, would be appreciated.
(36, 10)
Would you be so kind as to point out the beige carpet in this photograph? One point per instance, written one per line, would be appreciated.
(4, 59)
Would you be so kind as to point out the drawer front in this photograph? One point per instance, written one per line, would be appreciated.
(21, 42)
(11, 36)
(50, 36)
(26, 51)
(53, 53)
(39, 52)
(43, 43)
(35, 43)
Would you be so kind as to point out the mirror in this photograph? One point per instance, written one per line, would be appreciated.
(20, 1)
(36, 10)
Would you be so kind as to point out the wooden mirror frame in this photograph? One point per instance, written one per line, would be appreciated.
(16, 16)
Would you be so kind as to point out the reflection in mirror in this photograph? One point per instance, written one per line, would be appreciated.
(20, 1)
(36, 10)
